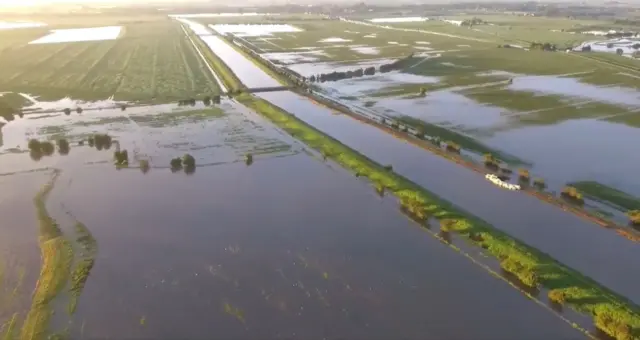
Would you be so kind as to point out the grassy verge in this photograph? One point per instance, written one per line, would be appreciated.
(82, 269)
(606, 194)
(614, 314)
(57, 256)
(465, 142)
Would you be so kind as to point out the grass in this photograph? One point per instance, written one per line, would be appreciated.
(82, 269)
(528, 264)
(57, 255)
(607, 194)
(152, 62)
(465, 142)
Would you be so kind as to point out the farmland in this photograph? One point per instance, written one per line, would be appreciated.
(274, 213)
(150, 61)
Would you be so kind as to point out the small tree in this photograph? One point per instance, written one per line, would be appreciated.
(248, 159)
(188, 160)
(67, 111)
(78, 110)
(619, 51)
(423, 91)
(63, 146)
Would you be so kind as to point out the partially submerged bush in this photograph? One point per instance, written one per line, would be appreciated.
(248, 159)
(523, 175)
(557, 296)
(34, 145)
(91, 141)
(539, 183)
(63, 146)
(144, 166)
(121, 158)
(634, 216)
(188, 160)
(47, 148)
(67, 111)
(572, 194)
(453, 147)
(176, 163)
(102, 141)
(78, 109)
(490, 161)
(524, 273)
(608, 323)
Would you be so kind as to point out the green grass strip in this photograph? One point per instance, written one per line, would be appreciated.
(607, 194)
(57, 255)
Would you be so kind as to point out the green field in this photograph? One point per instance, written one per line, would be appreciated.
(150, 61)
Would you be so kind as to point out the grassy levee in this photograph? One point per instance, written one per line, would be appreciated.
(57, 255)
(607, 194)
(614, 314)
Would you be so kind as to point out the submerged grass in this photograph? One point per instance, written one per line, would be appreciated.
(80, 274)
(465, 142)
(57, 255)
(607, 194)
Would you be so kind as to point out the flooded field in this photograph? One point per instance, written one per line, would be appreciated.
(283, 246)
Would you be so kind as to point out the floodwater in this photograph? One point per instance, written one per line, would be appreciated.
(572, 87)
(599, 151)
(79, 34)
(285, 248)
(19, 252)
(596, 252)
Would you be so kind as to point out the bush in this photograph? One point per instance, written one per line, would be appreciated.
(63, 146)
(78, 110)
(572, 194)
(67, 111)
(634, 216)
(121, 157)
(557, 296)
(490, 161)
(176, 163)
(102, 141)
(34, 145)
(453, 147)
(47, 148)
(248, 159)
(188, 160)
(539, 183)
(144, 166)
(523, 175)
(91, 141)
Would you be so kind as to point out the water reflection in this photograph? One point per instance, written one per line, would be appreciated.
(289, 249)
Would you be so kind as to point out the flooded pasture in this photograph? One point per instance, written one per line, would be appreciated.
(285, 247)
(79, 34)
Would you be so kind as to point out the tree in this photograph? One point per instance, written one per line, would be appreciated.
(206, 100)
(78, 109)
(67, 111)
(63, 146)
(188, 160)
(610, 45)
(423, 91)
(248, 159)
(619, 51)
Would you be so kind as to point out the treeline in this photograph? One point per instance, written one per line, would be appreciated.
(369, 71)
(206, 100)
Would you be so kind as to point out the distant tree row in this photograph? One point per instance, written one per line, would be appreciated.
(207, 100)
(369, 71)
(543, 46)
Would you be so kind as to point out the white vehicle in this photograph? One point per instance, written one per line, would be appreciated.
(497, 181)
